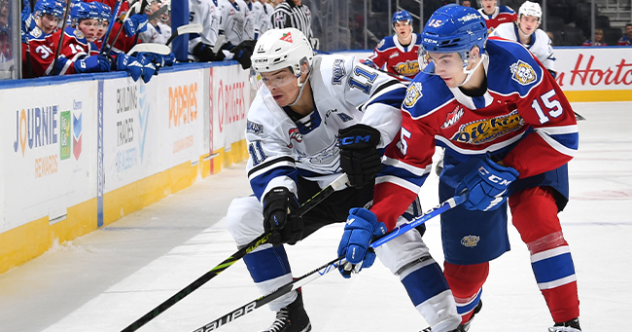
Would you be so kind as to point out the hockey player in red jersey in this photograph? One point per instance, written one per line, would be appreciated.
(496, 15)
(40, 47)
(81, 32)
(509, 132)
(398, 53)
(105, 16)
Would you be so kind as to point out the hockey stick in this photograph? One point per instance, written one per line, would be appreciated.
(143, 6)
(219, 43)
(107, 33)
(338, 183)
(131, 11)
(150, 48)
(157, 14)
(332, 265)
(189, 28)
(60, 43)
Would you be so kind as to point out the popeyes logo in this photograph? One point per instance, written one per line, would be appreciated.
(585, 73)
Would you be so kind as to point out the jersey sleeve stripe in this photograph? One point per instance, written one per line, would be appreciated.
(559, 144)
(392, 94)
(280, 176)
(399, 182)
(270, 164)
(414, 170)
(561, 130)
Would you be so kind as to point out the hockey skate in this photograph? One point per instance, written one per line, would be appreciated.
(570, 326)
(465, 327)
(292, 318)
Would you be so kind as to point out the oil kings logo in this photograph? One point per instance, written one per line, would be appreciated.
(35, 127)
(408, 68)
(453, 117)
(470, 241)
(413, 94)
(523, 73)
(487, 130)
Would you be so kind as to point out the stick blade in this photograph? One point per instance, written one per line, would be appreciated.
(190, 28)
(150, 48)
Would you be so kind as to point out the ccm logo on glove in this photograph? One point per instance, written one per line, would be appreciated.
(354, 140)
(492, 177)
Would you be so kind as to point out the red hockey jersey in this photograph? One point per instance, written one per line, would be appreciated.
(502, 14)
(391, 56)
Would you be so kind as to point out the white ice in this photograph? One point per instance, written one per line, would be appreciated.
(107, 279)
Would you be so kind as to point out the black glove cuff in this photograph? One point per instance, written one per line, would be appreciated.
(359, 136)
(203, 52)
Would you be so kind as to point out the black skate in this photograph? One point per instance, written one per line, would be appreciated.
(465, 327)
(570, 326)
(292, 318)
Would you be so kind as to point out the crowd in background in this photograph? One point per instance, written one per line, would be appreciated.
(46, 51)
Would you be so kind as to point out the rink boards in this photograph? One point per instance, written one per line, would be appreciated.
(81, 152)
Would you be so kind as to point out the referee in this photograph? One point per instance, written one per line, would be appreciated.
(293, 14)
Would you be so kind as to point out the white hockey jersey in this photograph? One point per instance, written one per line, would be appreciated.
(206, 13)
(249, 22)
(345, 93)
(262, 15)
(540, 43)
(232, 20)
(159, 34)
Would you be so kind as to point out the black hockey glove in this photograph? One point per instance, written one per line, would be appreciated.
(249, 45)
(204, 53)
(277, 206)
(359, 157)
(242, 55)
(553, 72)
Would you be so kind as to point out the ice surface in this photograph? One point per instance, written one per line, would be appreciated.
(107, 279)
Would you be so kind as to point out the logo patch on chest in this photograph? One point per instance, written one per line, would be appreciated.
(486, 130)
(453, 117)
(470, 241)
(296, 135)
(523, 73)
(408, 68)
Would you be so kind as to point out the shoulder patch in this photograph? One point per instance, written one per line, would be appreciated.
(381, 43)
(78, 33)
(523, 73)
(254, 128)
(338, 72)
(413, 94)
(36, 32)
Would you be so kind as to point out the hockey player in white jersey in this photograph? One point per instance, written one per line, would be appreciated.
(525, 31)
(262, 12)
(313, 118)
(206, 13)
(232, 22)
(249, 22)
(156, 32)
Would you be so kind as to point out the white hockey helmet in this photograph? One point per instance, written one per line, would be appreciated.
(277, 49)
(530, 9)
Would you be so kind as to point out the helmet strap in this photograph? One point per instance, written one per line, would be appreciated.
(470, 72)
(301, 86)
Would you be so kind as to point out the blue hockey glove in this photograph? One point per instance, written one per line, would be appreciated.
(487, 185)
(277, 206)
(135, 24)
(148, 68)
(169, 59)
(359, 157)
(93, 64)
(129, 64)
(362, 226)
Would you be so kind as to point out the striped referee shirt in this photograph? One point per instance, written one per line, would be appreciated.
(289, 15)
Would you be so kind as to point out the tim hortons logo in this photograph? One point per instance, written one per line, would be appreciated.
(586, 74)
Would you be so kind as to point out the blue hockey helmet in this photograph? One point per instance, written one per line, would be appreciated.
(50, 7)
(402, 16)
(83, 11)
(105, 12)
(453, 28)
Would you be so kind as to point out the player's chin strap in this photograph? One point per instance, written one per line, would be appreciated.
(524, 34)
(301, 86)
(470, 72)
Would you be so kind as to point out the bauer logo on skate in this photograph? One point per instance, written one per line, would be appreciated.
(487, 130)
(408, 68)
(470, 241)
(413, 94)
(523, 73)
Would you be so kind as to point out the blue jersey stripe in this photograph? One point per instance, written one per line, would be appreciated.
(425, 283)
(268, 264)
(260, 182)
(554, 268)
